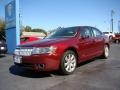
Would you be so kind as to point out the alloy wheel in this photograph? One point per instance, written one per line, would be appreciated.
(106, 51)
(70, 62)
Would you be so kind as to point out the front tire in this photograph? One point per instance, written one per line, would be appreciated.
(68, 63)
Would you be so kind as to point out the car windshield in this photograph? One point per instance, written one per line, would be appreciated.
(63, 32)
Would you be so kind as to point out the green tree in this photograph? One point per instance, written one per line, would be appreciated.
(39, 30)
(28, 29)
(22, 29)
(2, 28)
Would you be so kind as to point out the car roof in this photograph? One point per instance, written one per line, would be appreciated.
(79, 27)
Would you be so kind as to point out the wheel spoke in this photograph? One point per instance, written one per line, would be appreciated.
(66, 64)
(72, 67)
(72, 57)
(73, 61)
(69, 56)
(68, 68)
(66, 58)
(66, 61)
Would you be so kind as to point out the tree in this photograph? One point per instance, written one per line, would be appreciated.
(39, 30)
(2, 28)
(28, 29)
(22, 29)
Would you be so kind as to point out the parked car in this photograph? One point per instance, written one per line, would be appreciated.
(116, 39)
(63, 50)
(26, 39)
(3, 47)
(110, 35)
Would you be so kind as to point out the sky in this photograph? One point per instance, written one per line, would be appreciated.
(50, 14)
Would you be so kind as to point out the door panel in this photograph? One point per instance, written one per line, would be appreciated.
(86, 44)
(99, 41)
(86, 49)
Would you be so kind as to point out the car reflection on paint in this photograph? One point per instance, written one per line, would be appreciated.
(63, 50)
(26, 39)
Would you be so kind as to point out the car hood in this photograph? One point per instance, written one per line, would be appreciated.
(44, 42)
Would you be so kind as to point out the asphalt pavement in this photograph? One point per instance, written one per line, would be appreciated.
(98, 74)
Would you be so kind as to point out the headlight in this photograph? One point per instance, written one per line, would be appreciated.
(43, 50)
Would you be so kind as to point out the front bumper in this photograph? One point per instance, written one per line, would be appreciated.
(43, 62)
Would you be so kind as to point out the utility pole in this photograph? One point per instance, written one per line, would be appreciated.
(119, 26)
(112, 13)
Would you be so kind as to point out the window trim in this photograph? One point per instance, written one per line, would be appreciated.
(95, 29)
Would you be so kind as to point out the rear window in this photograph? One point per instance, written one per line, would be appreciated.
(106, 32)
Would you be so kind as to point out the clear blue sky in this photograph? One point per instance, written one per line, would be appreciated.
(49, 14)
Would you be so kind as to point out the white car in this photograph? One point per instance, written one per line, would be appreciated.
(110, 35)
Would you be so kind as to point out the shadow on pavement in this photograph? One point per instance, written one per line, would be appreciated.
(15, 70)
(86, 62)
(89, 61)
(27, 73)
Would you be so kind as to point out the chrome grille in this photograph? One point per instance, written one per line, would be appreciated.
(23, 51)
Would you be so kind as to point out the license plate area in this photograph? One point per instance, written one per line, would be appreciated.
(18, 59)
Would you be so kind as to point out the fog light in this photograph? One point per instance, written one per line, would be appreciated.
(41, 66)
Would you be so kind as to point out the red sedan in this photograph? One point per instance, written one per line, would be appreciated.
(28, 39)
(63, 49)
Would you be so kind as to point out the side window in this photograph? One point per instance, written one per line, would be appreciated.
(96, 32)
(86, 32)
